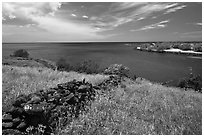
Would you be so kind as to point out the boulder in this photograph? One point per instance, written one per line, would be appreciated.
(19, 100)
(34, 99)
(34, 109)
(11, 132)
(16, 111)
(6, 125)
(22, 125)
(16, 121)
(7, 118)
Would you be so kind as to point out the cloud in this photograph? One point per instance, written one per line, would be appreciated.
(74, 15)
(42, 14)
(197, 24)
(23, 10)
(85, 17)
(192, 34)
(159, 25)
(141, 18)
(119, 6)
(65, 28)
(175, 9)
(122, 13)
(200, 24)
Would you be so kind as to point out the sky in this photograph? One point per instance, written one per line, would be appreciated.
(101, 21)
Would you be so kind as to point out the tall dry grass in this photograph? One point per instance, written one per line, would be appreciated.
(141, 107)
(134, 107)
(25, 80)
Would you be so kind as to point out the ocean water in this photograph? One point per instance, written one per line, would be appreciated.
(156, 67)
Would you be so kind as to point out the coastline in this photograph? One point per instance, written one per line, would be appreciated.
(172, 50)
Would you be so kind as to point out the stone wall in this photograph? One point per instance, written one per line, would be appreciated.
(44, 110)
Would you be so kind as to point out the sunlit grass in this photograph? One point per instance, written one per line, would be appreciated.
(25, 80)
(141, 108)
(134, 107)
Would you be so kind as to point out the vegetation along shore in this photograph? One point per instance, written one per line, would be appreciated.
(189, 48)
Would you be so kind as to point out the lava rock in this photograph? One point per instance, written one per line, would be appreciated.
(7, 118)
(50, 100)
(16, 111)
(16, 121)
(34, 109)
(11, 132)
(51, 91)
(19, 100)
(6, 125)
(35, 120)
(22, 125)
(34, 99)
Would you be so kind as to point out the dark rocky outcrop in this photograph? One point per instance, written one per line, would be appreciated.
(47, 108)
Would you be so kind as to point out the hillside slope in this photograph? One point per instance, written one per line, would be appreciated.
(132, 107)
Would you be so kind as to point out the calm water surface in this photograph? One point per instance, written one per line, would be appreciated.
(153, 66)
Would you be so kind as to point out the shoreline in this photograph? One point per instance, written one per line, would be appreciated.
(172, 50)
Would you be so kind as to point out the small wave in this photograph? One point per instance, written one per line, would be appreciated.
(194, 57)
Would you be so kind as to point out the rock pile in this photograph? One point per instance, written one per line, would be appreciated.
(47, 108)
(117, 69)
(113, 81)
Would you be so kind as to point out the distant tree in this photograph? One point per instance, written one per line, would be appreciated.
(198, 49)
(87, 66)
(193, 82)
(21, 53)
(62, 65)
(185, 46)
(117, 69)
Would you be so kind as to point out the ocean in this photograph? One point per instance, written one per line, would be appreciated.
(156, 67)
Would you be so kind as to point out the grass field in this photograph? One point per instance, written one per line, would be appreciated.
(133, 107)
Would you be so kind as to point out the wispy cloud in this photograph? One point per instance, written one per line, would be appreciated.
(84, 16)
(122, 13)
(192, 34)
(175, 9)
(74, 15)
(196, 24)
(200, 24)
(158, 25)
(120, 6)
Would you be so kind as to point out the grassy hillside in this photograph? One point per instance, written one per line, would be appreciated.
(18, 80)
(140, 107)
(133, 107)
(25, 62)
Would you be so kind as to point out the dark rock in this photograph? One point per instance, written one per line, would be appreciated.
(35, 120)
(11, 132)
(83, 80)
(34, 100)
(16, 111)
(7, 118)
(6, 125)
(16, 121)
(70, 96)
(22, 125)
(51, 99)
(51, 91)
(83, 88)
(19, 100)
(96, 87)
(34, 109)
